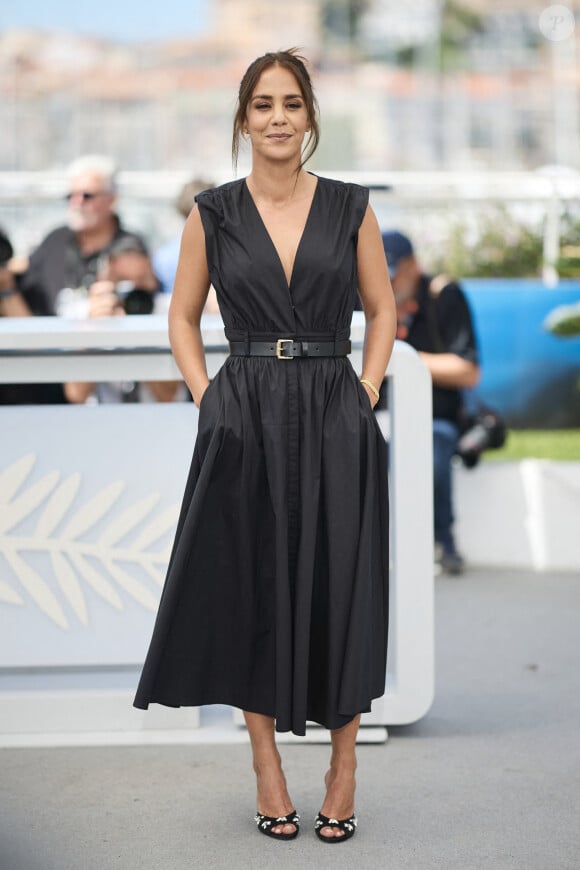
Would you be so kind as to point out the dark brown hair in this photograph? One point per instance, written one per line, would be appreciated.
(294, 63)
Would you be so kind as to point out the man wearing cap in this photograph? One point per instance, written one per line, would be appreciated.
(434, 318)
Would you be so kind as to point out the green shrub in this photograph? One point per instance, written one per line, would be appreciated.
(500, 247)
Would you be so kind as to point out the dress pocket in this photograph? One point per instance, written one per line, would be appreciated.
(364, 397)
(203, 402)
(209, 407)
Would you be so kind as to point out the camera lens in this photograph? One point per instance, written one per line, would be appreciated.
(138, 301)
(135, 300)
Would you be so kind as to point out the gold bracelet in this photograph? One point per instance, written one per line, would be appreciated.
(371, 387)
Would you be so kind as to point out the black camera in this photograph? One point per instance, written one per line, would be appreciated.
(487, 431)
(134, 300)
(6, 250)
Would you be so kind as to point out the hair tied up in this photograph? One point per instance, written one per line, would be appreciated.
(295, 63)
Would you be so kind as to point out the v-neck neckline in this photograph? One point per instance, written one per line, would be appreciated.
(287, 283)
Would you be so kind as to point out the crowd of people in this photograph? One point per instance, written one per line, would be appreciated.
(276, 598)
(93, 266)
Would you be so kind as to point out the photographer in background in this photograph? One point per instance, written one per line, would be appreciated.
(66, 262)
(126, 285)
(434, 317)
(12, 304)
(165, 258)
(71, 256)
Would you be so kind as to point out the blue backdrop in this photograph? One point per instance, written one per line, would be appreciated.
(531, 376)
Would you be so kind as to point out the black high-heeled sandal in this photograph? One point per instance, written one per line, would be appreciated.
(347, 826)
(266, 823)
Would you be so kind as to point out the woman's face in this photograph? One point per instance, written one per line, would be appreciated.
(277, 118)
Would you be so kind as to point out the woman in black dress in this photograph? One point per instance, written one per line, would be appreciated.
(276, 598)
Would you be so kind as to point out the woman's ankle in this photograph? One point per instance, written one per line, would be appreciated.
(267, 762)
(344, 765)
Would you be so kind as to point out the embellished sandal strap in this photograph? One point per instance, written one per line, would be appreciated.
(267, 822)
(346, 825)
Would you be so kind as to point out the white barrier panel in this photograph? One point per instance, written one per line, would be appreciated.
(89, 497)
(520, 514)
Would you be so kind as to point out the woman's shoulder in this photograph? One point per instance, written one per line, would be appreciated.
(343, 188)
(218, 202)
(221, 191)
(345, 191)
(346, 198)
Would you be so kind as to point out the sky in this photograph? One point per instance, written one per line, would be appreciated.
(119, 19)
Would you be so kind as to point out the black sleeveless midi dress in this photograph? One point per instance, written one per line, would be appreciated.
(276, 596)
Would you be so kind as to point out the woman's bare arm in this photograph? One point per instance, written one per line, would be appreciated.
(378, 303)
(190, 291)
(450, 370)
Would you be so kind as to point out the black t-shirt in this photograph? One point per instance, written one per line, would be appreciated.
(57, 263)
(443, 324)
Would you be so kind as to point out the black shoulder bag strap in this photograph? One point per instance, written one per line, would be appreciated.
(436, 287)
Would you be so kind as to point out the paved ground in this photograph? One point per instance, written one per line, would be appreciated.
(489, 779)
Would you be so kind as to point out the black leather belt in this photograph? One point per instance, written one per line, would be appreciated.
(290, 348)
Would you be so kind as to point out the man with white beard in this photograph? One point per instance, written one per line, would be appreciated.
(61, 270)
(71, 256)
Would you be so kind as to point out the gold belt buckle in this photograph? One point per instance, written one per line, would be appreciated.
(280, 349)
